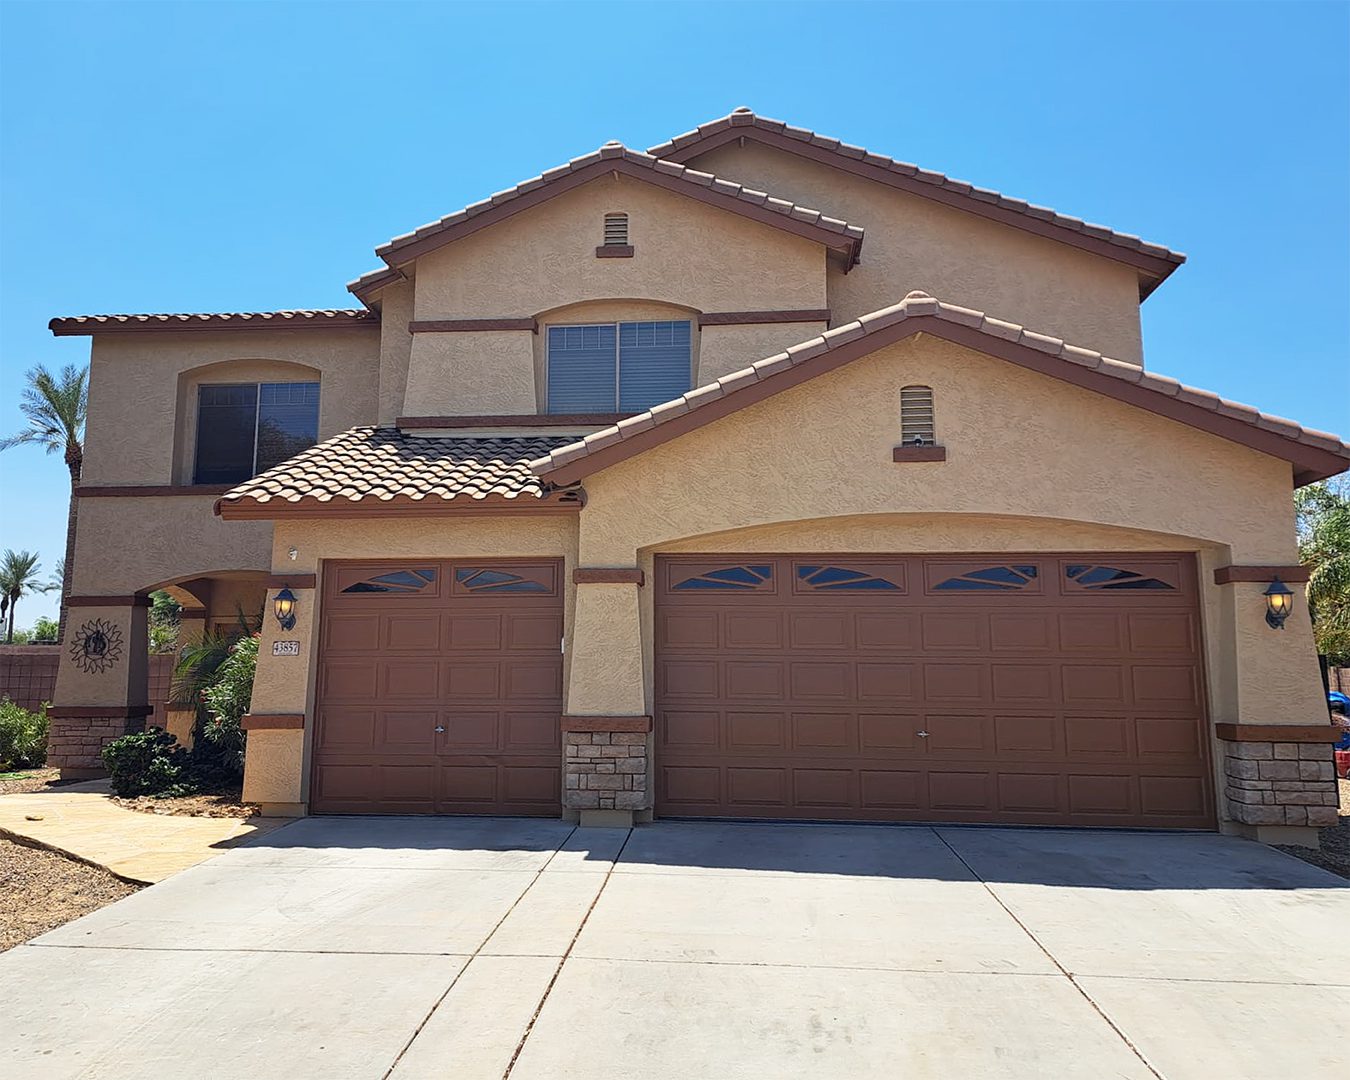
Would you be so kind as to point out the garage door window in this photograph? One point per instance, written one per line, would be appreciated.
(843, 579)
(476, 579)
(399, 581)
(990, 579)
(728, 578)
(1112, 577)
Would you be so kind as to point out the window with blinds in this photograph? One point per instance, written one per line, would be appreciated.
(616, 230)
(617, 367)
(916, 416)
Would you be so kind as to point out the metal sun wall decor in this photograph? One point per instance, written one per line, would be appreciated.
(97, 646)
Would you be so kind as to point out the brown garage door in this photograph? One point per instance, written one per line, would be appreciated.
(1041, 689)
(440, 688)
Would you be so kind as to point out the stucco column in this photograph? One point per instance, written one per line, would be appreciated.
(179, 722)
(606, 728)
(101, 682)
(274, 760)
(1276, 766)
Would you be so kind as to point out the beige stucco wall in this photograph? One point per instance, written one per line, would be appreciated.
(127, 544)
(396, 309)
(915, 243)
(123, 680)
(135, 427)
(731, 348)
(689, 257)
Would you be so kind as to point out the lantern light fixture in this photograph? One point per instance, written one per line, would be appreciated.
(284, 607)
(1279, 603)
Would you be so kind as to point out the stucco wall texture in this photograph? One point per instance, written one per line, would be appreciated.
(914, 243)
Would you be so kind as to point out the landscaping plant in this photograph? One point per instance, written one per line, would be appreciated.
(1324, 546)
(149, 762)
(23, 736)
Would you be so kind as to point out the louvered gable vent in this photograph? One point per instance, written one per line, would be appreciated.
(616, 230)
(916, 416)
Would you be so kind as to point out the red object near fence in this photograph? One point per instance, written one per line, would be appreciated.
(1343, 764)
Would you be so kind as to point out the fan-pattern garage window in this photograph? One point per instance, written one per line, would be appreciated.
(917, 427)
(399, 581)
(729, 577)
(483, 579)
(842, 579)
(1112, 577)
(990, 579)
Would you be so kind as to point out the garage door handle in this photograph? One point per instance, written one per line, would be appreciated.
(922, 734)
(440, 729)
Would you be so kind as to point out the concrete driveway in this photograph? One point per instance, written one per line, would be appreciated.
(410, 949)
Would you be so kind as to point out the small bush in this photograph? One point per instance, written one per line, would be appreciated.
(149, 762)
(23, 736)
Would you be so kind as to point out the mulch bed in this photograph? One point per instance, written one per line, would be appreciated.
(1334, 854)
(228, 803)
(41, 890)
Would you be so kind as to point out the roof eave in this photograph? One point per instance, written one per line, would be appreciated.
(309, 508)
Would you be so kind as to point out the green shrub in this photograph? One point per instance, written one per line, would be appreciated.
(23, 736)
(149, 762)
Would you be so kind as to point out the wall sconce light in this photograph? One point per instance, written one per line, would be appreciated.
(284, 606)
(1279, 603)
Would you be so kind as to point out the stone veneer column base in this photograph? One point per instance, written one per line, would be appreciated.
(605, 779)
(75, 743)
(1289, 785)
(283, 809)
(1290, 835)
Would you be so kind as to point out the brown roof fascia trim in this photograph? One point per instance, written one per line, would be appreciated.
(99, 712)
(292, 581)
(144, 491)
(622, 724)
(607, 575)
(69, 327)
(469, 326)
(1228, 575)
(919, 453)
(741, 318)
(1298, 733)
(134, 600)
(310, 509)
(272, 722)
(614, 251)
(415, 247)
(192, 613)
(1312, 458)
(412, 423)
(1155, 268)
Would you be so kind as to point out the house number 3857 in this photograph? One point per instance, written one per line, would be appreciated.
(285, 648)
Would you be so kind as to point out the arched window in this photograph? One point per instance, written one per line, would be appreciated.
(916, 416)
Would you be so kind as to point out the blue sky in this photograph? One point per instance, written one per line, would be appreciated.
(199, 157)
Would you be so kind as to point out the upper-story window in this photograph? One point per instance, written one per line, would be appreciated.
(617, 367)
(246, 428)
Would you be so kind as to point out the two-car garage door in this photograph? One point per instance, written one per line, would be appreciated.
(1043, 689)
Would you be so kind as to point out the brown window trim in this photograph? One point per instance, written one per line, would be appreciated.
(607, 575)
(614, 251)
(273, 722)
(743, 318)
(292, 581)
(134, 600)
(146, 491)
(412, 423)
(1297, 733)
(1229, 575)
(470, 326)
(631, 724)
(919, 453)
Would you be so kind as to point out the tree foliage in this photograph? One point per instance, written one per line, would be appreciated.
(1323, 516)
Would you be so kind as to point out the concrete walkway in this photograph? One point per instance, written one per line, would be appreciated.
(482, 949)
(83, 821)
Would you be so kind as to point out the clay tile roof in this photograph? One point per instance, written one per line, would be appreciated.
(913, 178)
(1314, 454)
(367, 466)
(834, 233)
(221, 320)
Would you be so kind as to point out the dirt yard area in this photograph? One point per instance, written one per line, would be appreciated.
(1335, 852)
(221, 804)
(24, 781)
(41, 890)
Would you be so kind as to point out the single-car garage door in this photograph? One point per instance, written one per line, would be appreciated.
(440, 688)
(1039, 689)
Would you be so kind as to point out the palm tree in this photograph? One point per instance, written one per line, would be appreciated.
(18, 577)
(55, 407)
(1324, 546)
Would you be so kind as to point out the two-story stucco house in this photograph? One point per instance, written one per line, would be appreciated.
(753, 476)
